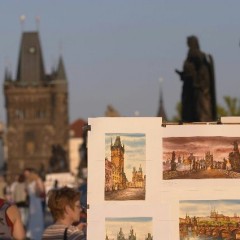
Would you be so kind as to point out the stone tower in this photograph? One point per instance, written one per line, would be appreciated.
(117, 159)
(117, 154)
(37, 111)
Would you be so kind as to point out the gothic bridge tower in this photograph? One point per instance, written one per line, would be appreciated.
(37, 111)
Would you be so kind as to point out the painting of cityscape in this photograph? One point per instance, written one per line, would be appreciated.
(201, 157)
(209, 219)
(125, 166)
(139, 228)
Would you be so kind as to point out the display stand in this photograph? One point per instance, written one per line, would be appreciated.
(153, 180)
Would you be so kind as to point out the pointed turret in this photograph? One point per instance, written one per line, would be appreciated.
(161, 110)
(118, 142)
(60, 74)
(7, 76)
(30, 64)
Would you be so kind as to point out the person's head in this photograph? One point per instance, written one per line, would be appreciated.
(21, 178)
(192, 42)
(64, 202)
(30, 174)
(27, 172)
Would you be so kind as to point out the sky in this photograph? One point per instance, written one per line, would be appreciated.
(115, 51)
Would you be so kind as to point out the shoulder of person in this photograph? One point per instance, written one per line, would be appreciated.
(75, 231)
(13, 212)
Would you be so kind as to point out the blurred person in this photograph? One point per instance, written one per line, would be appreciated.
(14, 183)
(8, 190)
(35, 186)
(20, 197)
(55, 184)
(83, 199)
(2, 186)
(65, 207)
(11, 225)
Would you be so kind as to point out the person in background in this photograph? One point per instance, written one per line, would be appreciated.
(20, 197)
(55, 184)
(8, 190)
(64, 205)
(35, 186)
(83, 200)
(2, 186)
(11, 226)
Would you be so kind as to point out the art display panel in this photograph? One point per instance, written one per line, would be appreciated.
(164, 177)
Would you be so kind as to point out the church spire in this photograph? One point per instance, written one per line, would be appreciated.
(161, 110)
(61, 75)
(7, 75)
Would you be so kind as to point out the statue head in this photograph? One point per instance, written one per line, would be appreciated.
(192, 42)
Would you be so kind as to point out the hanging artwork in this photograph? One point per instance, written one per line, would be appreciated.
(129, 228)
(125, 175)
(201, 157)
(209, 219)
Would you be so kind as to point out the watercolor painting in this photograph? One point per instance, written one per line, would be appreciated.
(201, 157)
(209, 219)
(138, 228)
(125, 166)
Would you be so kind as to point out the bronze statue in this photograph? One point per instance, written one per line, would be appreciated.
(198, 93)
(58, 159)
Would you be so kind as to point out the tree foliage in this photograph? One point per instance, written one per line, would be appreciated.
(231, 107)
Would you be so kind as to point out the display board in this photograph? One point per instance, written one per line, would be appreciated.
(148, 180)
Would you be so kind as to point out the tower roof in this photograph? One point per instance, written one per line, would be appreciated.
(61, 75)
(30, 64)
(118, 141)
(161, 110)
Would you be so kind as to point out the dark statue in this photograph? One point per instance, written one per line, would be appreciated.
(198, 92)
(83, 154)
(58, 159)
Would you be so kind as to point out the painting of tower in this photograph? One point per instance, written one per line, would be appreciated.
(125, 161)
(37, 111)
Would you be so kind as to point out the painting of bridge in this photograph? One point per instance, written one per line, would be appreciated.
(201, 157)
(209, 219)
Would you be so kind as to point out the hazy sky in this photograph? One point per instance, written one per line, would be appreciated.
(115, 51)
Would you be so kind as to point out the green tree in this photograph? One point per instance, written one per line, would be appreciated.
(232, 107)
(178, 109)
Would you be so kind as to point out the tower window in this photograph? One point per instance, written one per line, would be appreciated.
(19, 114)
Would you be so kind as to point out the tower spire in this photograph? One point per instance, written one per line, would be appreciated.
(22, 21)
(61, 74)
(161, 110)
(37, 18)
